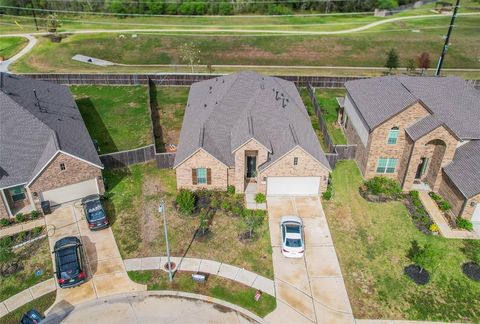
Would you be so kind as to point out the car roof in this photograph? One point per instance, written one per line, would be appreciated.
(90, 197)
(291, 218)
(69, 240)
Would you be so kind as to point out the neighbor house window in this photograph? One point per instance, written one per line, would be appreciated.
(62, 166)
(201, 176)
(295, 161)
(17, 193)
(386, 165)
(392, 136)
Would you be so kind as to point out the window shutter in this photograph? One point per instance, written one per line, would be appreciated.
(194, 176)
(209, 176)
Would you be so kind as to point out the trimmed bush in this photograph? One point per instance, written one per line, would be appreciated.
(260, 198)
(383, 186)
(186, 201)
(34, 214)
(328, 194)
(231, 190)
(464, 224)
(4, 222)
(20, 217)
(444, 206)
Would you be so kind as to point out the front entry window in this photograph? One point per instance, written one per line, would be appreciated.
(251, 166)
(201, 176)
(422, 167)
(17, 193)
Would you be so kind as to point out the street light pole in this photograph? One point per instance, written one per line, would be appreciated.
(161, 209)
(447, 39)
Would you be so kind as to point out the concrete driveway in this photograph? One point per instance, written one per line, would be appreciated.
(105, 269)
(309, 289)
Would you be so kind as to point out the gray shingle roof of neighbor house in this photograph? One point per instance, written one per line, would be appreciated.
(453, 102)
(464, 170)
(225, 112)
(37, 119)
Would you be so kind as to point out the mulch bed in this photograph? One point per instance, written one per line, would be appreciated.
(421, 220)
(471, 270)
(368, 196)
(419, 276)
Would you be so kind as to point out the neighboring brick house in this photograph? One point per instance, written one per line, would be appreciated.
(46, 152)
(423, 132)
(252, 132)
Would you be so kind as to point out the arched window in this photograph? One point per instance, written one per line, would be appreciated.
(392, 136)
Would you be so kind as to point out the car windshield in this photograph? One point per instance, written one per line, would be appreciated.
(68, 262)
(95, 210)
(293, 228)
(293, 243)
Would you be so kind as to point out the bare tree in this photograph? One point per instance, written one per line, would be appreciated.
(190, 54)
(423, 61)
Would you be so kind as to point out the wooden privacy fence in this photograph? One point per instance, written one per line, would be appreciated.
(141, 155)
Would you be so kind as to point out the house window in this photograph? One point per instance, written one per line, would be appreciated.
(201, 176)
(295, 161)
(386, 165)
(17, 193)
(392, 136)
(62, 166)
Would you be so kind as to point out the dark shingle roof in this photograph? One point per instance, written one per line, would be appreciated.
(464, 169)
(225, 112)
(32, 130)
(452, 101)
(423, 127)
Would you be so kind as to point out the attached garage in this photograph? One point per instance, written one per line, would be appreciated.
(293, 186)
(71, 192)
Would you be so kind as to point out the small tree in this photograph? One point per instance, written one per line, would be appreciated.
(411, 66)
(190, 54)
(392, 60)
(53, 23)
(423, 62)
(252, 220)
(203, 222)
(186, 201)
(421, 256)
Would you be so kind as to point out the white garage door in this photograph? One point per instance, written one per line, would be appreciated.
(476, 219)
(295, 186)
(71, 192)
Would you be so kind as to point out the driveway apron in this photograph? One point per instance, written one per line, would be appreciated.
(105, 268)
(309, 289)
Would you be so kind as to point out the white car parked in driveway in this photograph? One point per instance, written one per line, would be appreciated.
(293, 244)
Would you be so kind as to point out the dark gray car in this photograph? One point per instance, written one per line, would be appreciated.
(94, 212)
(69, 262)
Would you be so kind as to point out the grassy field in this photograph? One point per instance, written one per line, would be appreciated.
(363, 49)
(133, 206)
(41, 304)
(216, 287)
(381, 234)
(117, 117)
(32, 257)
(10, 46)
(171, 103)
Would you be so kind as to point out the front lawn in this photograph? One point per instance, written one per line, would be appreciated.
(382, 234)
(134, 196)
(11, 46)
(217, 287)
(18, 269)
(117, 117)
(41, 304)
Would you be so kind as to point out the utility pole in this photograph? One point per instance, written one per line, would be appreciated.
(33, 14)
(447, 39)
(161, 209)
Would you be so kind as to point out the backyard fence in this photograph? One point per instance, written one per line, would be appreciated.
(141, 155)
(335, 152)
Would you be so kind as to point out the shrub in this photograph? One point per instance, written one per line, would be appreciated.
(435, 196)
(4, 222)
(385, 186)
(422, 256)
(37, 230)
(231, 190)
(226, 205)
(34, 214)
(252, 220)
(21, 237)
(464, 224)
(6, 252)
(328, 194)
(20, 217)
(444, 205)
(260, 198)
(186, 201)
(434, 228)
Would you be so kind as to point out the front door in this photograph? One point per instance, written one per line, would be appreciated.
(421, 168)
(251, 166)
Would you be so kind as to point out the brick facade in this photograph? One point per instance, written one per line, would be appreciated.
(202, 159)
(361, 154)
(448, 190)
(251, 147)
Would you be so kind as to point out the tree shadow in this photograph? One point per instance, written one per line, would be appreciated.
(155, 115)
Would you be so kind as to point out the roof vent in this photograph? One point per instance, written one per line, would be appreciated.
(204, 105)
(294, 134)
(262, 86)
(284, 102)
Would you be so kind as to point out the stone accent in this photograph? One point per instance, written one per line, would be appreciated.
(240, 158)
(202, 159)
(448, 190)
(307, 167)
(361, 154)
(469, 209)
(75, 171)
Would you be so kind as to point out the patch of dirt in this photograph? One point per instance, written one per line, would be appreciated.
(471, 270)
(150, 222)
(417, 274)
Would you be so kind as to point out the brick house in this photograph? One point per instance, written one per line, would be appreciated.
(46, 152)
(423, 132)
(252, 132)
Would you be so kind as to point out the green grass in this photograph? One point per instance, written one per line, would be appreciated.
(10, 46)
(41, 304)
(134, 195)
(117, 117)
(215, 286)
(32, 257)
(327, 99)
(381, 234)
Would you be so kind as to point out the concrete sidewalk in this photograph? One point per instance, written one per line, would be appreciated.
(224, 270)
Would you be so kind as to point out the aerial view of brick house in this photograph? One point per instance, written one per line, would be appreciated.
(46, 152)
(422, 131)
(252, 132)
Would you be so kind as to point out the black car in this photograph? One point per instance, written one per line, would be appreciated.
(69, 262)
(32, 317)
(94, 212)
